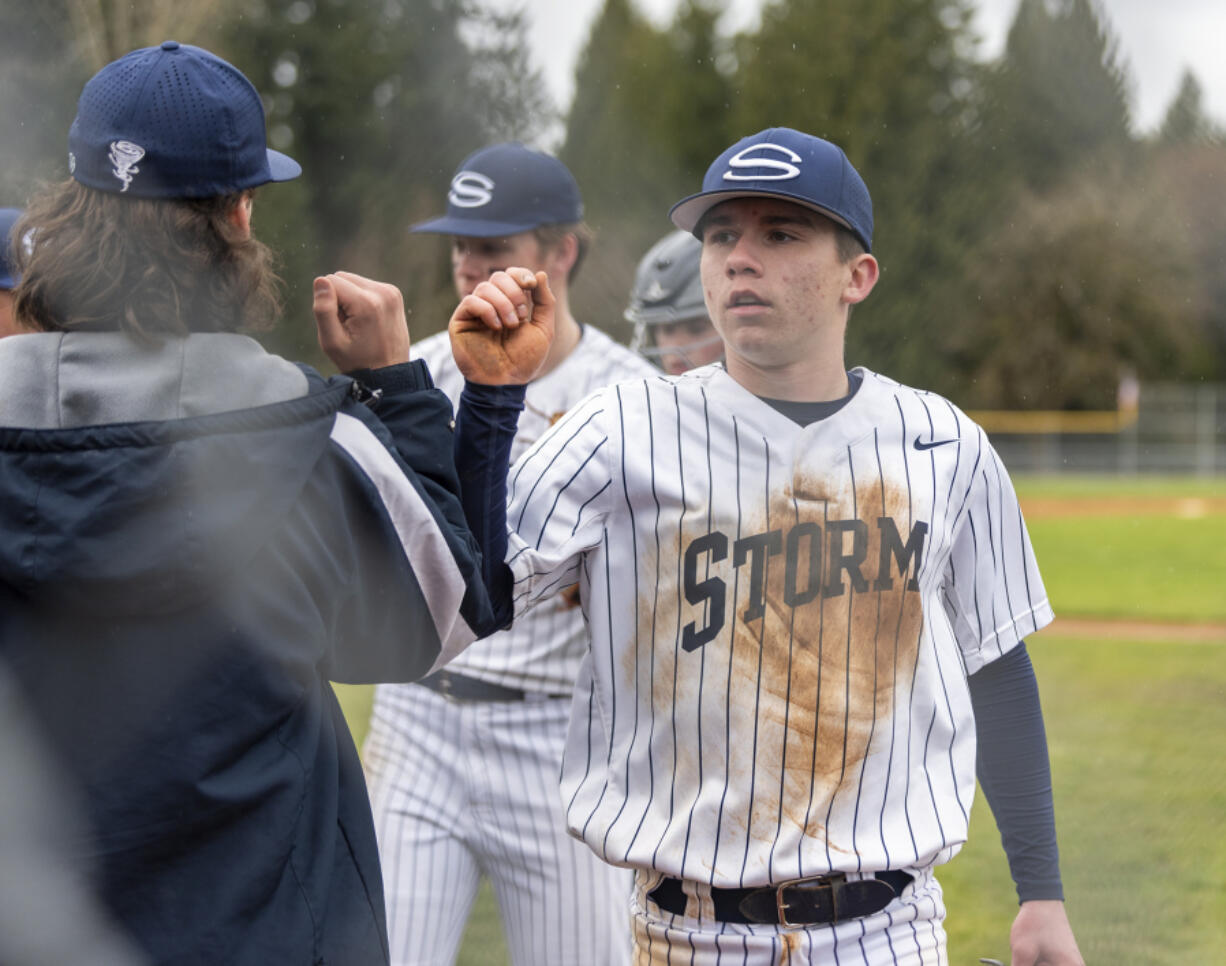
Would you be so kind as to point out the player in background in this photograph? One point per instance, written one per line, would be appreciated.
(808, 589)
(196, 535)
(463, 766)
(8, 275)
(671, 326)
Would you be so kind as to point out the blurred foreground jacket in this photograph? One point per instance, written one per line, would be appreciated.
(194, 539)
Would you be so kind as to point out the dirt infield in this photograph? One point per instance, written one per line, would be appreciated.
(1185, 507)
(1136, 630)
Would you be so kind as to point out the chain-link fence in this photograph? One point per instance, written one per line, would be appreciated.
(1174, 428)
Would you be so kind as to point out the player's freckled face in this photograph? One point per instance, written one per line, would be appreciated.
(773, 280)
(473, 260)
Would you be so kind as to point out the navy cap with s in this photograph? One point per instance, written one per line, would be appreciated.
(505, 189)
(791, 166)
(172, 121)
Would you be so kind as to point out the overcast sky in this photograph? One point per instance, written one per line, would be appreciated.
(1157, 39)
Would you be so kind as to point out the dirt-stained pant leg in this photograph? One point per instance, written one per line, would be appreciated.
(908, 932)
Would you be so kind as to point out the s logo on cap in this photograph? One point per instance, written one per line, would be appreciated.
(471, 189)
(763, 169)
(124, 155)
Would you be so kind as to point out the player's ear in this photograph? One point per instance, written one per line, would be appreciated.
(864, 272)
(240, 215)
(563, 256)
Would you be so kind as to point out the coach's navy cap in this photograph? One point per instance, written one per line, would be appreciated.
(172, 121)
(8, 218)
(792, 166)
(505, 189)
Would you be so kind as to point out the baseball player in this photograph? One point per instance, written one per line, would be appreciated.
(463, 766)
(8, 275)
(671, 327)
(807, 589)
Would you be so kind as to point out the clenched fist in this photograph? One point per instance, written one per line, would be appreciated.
(501, 333)
(361, 322)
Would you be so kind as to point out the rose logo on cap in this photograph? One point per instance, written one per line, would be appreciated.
(124, 155)
(760, 169)
(471, 189)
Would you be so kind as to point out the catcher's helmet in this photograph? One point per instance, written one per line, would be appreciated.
(667, 288)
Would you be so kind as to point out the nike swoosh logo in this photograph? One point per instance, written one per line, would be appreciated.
(920, 445)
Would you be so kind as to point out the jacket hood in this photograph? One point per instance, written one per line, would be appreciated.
(140, 479)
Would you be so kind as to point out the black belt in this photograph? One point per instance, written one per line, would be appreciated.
(799, 902)
(457, 687)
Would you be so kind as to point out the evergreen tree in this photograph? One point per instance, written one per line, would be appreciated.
(690, 112)
(648, 116)
(1185, 121)
(1058, 99)
(609, 146)
(378, 100)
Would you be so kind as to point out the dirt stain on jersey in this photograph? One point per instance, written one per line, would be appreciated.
(821, 675)
(652, 667)
(814, 661)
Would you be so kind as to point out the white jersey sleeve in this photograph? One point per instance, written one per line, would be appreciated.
(552, 527)
(992, 592)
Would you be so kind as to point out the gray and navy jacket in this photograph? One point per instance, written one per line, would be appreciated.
(194, 539)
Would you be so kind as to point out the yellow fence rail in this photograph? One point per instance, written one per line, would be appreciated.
(1045, 421)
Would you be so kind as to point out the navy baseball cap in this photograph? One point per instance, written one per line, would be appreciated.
(8, 277)
(792, 166)
(172, 121)
(505, 189)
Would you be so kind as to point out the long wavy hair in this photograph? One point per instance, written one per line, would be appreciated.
(93, 260)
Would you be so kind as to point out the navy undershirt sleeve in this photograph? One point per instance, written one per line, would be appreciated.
(485, 424)
(1014, 771)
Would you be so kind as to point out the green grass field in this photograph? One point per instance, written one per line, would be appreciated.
(1137, 731)
(1148, 549)
(1137, 734)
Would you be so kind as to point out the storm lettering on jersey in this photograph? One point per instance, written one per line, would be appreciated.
(842, 553)
(714, 548)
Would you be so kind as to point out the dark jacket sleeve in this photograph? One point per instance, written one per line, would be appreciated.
(1015, 773)
(417, 580)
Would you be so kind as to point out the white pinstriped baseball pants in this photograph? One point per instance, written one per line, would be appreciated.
(462, 790)
(907, 932)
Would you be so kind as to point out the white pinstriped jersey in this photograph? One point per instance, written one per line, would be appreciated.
(782, 622)
(541, 653)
